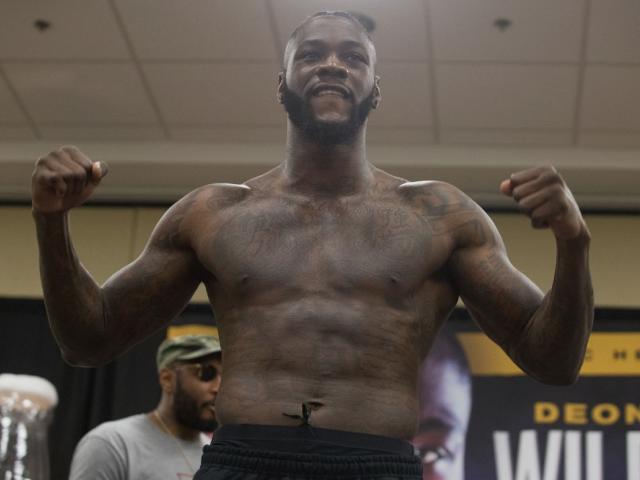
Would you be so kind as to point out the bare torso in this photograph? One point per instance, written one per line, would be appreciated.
(331, 297)
(331, 301)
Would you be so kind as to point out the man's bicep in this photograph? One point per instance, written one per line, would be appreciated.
(156, 276)
(499, 297)
(153, 289)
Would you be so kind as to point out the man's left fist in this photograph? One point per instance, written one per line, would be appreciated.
(543, 195)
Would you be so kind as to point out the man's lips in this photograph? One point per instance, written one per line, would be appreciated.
(330, 89)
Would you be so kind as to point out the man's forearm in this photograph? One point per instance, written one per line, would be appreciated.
(73, 299)
(553, 343)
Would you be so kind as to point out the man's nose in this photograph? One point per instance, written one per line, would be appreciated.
(332, 66)
(214, 385)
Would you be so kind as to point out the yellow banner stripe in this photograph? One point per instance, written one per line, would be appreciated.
(191, 329)
(608, 354)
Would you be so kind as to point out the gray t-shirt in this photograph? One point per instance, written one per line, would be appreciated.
(134, 449)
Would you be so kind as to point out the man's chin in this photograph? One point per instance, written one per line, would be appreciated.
(331, 134)
(332, 118)
(336, 125)
(208, 426)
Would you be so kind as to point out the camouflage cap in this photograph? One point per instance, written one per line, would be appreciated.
(186, 347)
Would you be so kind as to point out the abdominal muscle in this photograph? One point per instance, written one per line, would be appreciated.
(354, 366)
(353, 407)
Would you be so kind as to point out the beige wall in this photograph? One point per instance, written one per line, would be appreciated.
(108, 238)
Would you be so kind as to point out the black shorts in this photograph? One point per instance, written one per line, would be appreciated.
(261, 452)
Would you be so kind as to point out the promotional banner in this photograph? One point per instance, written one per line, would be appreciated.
(520, 429)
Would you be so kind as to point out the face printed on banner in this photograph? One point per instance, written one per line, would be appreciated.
(445, 405)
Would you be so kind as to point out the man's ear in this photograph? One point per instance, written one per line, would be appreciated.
(281, 82)
(167, 379)
(377, 94)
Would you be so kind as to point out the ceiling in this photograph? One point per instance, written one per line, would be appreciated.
(564, 75)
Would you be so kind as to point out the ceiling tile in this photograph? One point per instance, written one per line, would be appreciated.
(611, 98)
(614, 31)
(406, 101)
(543, 30)
(9, 110)
(609, 139)
(506, 96)
(15, 132)
(216, 93)
(80, 93)
(522, 137)
(199, 29)
(103, 132)
(79, 29)
(400, 25)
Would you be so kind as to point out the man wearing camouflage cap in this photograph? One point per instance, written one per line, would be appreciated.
(167, 442)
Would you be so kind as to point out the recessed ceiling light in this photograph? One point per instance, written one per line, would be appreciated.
(42, 25)
(502, 24)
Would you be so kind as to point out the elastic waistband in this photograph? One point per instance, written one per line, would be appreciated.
(309, 453)
(272, 436)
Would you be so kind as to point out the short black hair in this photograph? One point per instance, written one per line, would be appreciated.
(332, 13)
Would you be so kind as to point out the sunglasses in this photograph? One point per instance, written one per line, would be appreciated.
(205, 372)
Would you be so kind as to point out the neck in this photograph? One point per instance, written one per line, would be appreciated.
(313, 168)
(165, 419)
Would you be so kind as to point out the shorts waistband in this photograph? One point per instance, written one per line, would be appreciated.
(307, 452)
(301, 434)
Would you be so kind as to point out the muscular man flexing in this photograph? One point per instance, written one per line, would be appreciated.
(329, 278)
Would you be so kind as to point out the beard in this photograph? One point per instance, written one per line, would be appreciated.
(188, 413)
(326, 133)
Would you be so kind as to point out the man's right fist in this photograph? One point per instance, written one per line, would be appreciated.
(64, 179)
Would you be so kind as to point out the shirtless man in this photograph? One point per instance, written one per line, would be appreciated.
(329, 279)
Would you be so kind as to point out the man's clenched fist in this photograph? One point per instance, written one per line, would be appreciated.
(543, 195)
(64, 179)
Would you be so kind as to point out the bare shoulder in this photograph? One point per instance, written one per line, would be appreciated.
(431, 198)
(437, 198)
(210, 198)
(451, 212)
(197, 210)
(265, 182)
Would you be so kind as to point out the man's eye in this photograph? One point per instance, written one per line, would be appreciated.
(208, 373)
(310, 56)
(355, 57)
(433, 455)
